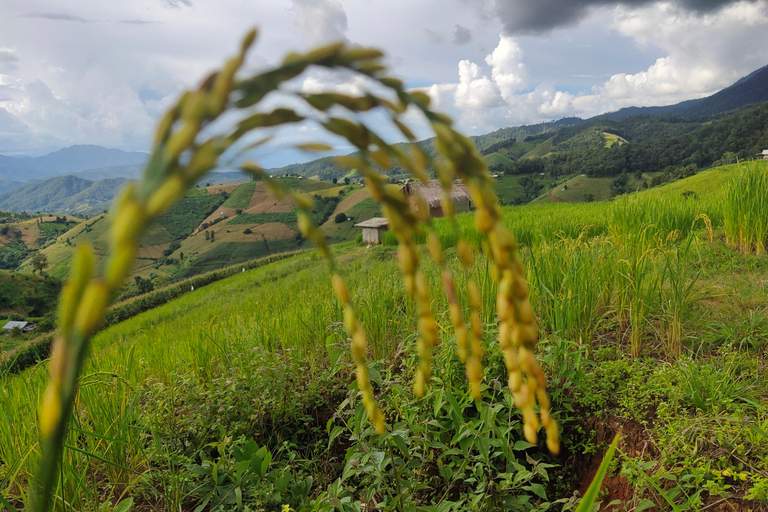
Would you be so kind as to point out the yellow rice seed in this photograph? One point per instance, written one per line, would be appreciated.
(340, 289)
(378, 421)
(465, 253)
(92, 307)
(505, 335)
(50, 410)
(553, 437)
(510, 361)
(475, 299)
(171, 189)
(461, 343)
(530, 433)
(515, 381)
(435, 248)
(474, 369)
(120, 265)
(350, 320)
(362, 377)
(525, 313)
(406, 260)
(484, 222)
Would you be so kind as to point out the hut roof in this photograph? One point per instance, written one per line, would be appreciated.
(376, 222)
(432, 191)
(12, 324)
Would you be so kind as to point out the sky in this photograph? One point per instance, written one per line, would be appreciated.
(85, 72)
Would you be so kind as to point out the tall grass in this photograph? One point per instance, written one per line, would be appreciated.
(745, 212)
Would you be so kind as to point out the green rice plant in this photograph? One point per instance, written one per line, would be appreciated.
(745, 210)
(678, 292)
(572, 286)
(180, 158)
(638, 284)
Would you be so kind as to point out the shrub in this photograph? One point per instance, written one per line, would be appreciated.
(340, 217)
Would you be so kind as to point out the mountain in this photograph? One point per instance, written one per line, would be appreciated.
(748, 90)
(63, 194)
(67, 161)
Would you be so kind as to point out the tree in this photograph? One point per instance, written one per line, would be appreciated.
(346, 180)
(335, 180)
(340, 217)
(144, 285)
(39, 262)
(247, 231)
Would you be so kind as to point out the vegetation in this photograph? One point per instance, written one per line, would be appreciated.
(63, 194)
(250, 412)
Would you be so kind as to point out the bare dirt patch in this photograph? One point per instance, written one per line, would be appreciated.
(351, 200)
(219, 213)
(218, 189)
(154, 252)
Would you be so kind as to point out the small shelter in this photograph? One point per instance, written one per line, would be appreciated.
(432, 193)
(763, 155)
(373, 228)
(24, 326)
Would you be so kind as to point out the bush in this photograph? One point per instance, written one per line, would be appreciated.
(247, 231)
(340, 217)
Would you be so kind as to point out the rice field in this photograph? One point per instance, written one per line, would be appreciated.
(640, 278)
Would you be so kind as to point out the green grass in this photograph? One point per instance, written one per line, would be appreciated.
(345, 231)
(745, 209)
(255, 355)
(241, 196)
(185, 216)
(613, 139)
(582, 188)
(287, 218)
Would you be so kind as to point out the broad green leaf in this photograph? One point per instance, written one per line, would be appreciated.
(124, 506)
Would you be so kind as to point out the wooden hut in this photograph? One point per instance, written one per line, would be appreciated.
(373, 229)
(432, 194)
(763, 155)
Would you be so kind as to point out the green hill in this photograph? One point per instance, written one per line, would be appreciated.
(260, 361)
(63, 194)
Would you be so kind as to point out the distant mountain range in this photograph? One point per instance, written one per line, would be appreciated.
(69, 160)
(83, 179)
(749, 90)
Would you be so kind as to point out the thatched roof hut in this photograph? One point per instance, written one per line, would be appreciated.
(373, 229)
(432, 192)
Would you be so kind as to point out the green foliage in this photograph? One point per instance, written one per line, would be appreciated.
(287, 218)
(185, 215)
(63, 194)
(746, 210)
(241, 196)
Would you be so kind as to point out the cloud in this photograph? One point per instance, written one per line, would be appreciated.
(8, 60)
(475, 90)
(434, 37)
(56, 16)
(461, 35)
(704, 52)
(176, 4)
(320, 21)
(507, 65)
(530, 17)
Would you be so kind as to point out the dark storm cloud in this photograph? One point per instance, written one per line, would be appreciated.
(461, 35)
(529, 16)
(55, 16)
(434, 37)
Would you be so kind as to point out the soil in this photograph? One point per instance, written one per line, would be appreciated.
(636, 442)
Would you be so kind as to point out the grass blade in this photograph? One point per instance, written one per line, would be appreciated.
(594, 488)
